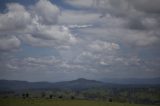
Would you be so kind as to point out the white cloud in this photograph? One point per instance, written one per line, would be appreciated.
(9, 43)
(141, 38)
(57, 33)
(50, 60)
(120, 7)
(109, 21)
(50, 36)
(80, 3)
(126, 36)
(77, 17)
(12, 67)
(36, 26)
(150, 23)
(101, 46)
(146, 5)
(46, 11)
(98, 53)
(16, 18)
(105, 32)
(79, 26)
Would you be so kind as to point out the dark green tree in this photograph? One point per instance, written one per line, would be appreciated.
(50, 96)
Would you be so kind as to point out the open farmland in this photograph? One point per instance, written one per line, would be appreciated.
(48, 102)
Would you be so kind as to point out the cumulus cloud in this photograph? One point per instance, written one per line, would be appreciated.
(141, 38)
(47, 12)
(120, 6)
(80, 3)
(9, 43)
(146, 5)
(87, 38)
(36, 26)
(115, 7)
(126, 36)
(16, 18)
(130, 19)
(50, 36)
(42, 61)
(98, 53)
(77, 17)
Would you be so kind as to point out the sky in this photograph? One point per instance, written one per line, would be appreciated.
(56, 40)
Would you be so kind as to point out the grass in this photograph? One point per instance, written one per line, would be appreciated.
(48, 102)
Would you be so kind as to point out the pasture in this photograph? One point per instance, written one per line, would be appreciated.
(57, 102)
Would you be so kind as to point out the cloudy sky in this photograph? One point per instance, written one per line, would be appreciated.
(42, 40)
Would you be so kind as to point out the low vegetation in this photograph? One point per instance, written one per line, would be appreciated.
(60, 102)
(85, 97)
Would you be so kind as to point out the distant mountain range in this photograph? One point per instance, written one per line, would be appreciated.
(8, 85)
(151, 81)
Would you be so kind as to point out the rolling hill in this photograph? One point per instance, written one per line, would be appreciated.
(78, 84)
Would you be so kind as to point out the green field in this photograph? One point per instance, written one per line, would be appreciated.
(49, 102)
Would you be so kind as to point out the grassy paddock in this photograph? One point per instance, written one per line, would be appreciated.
(49, 102)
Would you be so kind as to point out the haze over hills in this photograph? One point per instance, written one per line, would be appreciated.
(133, 80)
(74, 84)
(78, 84)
